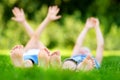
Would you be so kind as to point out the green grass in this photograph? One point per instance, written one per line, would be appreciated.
(110, 70)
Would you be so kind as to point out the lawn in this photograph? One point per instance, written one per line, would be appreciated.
(110, 70)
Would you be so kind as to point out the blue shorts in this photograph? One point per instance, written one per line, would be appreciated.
(33, 58)
(32, 55)
(79, 58)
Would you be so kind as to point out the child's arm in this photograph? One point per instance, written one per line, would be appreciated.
(100, 42)
(20, 17)
(51, 16)
(81, 36)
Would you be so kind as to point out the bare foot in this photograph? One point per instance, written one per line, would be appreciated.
(70, 65)
(43, 59)
(28, 63)
(55, 59)
(86, 64)
(17, 56)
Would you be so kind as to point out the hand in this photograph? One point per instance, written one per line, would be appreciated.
(92, 22)
(18, 15)
(52, 13)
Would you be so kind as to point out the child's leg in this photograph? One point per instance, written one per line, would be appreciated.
(17, 57)
(55, 59)
(86, 64)
(28, 63)
(43, 58)
(34, 43)
(70, 65)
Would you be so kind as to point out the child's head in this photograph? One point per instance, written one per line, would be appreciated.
(85, 50)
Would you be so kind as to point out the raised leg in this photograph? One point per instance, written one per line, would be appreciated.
(70, 65)
(17, 56)
(55, 59)
(86, 64)
(28, 63)
(34, 43)
(43, 59)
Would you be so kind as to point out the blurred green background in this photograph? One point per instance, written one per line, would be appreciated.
(62, 33)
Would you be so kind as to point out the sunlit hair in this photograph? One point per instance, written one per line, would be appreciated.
(85, 50)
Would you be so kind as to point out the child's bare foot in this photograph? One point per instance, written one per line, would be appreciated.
(70, 65)
(55, 59)
(43, 59)
(28, 63)
(17, 56)
(86, 64)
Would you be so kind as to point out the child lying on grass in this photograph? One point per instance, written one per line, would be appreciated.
(81, 58)
(34, 52)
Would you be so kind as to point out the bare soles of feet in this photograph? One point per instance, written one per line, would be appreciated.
(17, 56)
(86, 65)
(70, 65)
(28, 63)
(55, 59)
(43, 59)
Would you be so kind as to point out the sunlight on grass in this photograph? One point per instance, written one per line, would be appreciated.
(4, 52)
(112, 53)
(68, 52)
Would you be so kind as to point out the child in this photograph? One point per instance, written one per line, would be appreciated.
(81, 58)
(34, 52)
